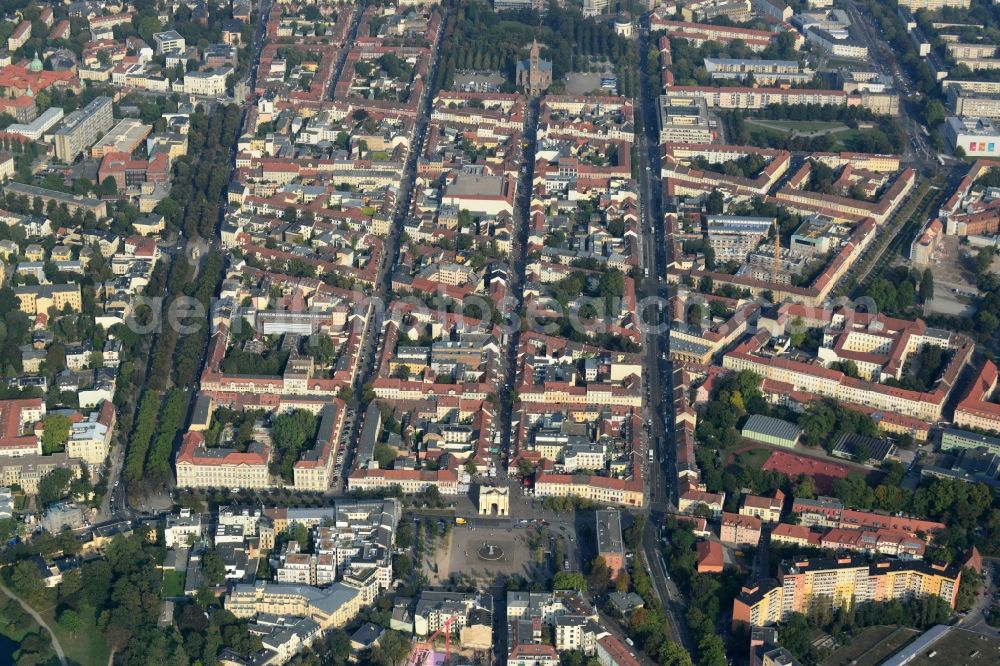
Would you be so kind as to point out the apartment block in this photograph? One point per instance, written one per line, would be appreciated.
(845, 580)
(934, 5)
(90, 440)
(37, 299)
(739, 530)
(330, 607)
(80, 129)
(17, 421)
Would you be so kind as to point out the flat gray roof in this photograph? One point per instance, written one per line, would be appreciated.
(609, 532)
(772, 427)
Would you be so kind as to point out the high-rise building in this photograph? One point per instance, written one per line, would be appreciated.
(82, 128)
(845, 580)
(595, 7)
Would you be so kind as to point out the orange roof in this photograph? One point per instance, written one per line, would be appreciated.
(193, 451)
(797, 532)
(19, 77)
(738, 520)
(11, 421)
(709, 557)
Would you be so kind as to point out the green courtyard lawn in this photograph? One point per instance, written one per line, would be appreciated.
(751, 458)
(173, 584)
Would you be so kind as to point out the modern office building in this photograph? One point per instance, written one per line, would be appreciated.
(978, 137)
(39, 126)
(684, 120)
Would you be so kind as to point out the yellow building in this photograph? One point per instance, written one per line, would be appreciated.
(34, 252)
(603, 489)
(841, 581)
(148, 225)
(40, 298)
(197, 467)
(330, 607)
(758, 605)
(27, 471)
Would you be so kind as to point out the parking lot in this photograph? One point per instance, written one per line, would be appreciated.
(582, 83)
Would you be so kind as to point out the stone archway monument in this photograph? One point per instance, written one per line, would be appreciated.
(494, 501)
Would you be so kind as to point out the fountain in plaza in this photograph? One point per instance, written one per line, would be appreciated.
(490, 552)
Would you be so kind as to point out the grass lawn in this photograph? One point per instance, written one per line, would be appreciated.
(796, 125)
(173, 584)
(841, 139)
(87, 646)
(871, 646)
(752, 459)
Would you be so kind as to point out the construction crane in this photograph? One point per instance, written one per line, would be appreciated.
(776, 266)
(422, 651)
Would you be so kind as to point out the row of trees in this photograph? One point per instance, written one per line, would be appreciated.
(707, 595)
(171, 418)
(198, 183)
(192, 348)
(143, 430)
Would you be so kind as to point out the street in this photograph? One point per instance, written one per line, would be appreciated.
(658, 371)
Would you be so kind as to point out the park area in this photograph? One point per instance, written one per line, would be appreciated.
(76, 632)
(839, 133)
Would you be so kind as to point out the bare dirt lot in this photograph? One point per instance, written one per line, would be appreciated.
(953, 278)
